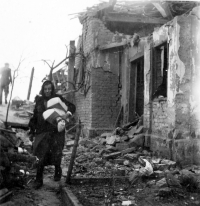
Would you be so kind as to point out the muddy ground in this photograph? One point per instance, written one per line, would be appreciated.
(140, 195)
(91, 162)
(88, 193)
(48, 195)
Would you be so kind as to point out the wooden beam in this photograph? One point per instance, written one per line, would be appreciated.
(70, 77)
(163, 9)
(30, 84)
(112, 45)
(73, 156)
(136, 56)
(18, 125)
(129, 18)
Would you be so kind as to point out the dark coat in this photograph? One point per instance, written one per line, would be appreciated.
(6, 77)
(48, 143)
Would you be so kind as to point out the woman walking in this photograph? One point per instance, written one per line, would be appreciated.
(48, 143)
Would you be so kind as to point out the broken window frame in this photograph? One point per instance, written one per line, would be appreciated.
(134, 84)
(156, 83)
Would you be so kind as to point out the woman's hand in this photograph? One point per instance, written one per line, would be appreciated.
(60, 124)
(67, 116)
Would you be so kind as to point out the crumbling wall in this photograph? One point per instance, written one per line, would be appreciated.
(105, 103)
(82, 64)
(159, 123)
(159, 114)
(125, 85)
(98, 106)
(177, 118)
(133, 52)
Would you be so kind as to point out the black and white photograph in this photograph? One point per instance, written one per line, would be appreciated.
(99, 103)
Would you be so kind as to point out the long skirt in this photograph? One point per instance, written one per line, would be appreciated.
(48, 147)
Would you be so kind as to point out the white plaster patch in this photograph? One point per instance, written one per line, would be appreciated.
(160, 34)
(181, 67)
(174, 63)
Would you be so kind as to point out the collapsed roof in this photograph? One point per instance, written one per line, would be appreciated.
(118, 15)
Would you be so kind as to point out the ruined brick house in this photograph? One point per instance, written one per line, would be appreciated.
(142, 57)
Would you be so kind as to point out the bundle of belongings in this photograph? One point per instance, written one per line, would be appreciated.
(56, 113)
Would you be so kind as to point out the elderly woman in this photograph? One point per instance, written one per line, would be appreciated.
(48, 143)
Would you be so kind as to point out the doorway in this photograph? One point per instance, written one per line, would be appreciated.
(136, 95)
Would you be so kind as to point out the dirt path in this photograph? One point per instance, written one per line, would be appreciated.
(48, 195)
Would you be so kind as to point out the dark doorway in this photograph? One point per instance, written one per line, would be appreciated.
(136, 97)
(160, 70)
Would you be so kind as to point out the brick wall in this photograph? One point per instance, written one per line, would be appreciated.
(83, 108)
(160, 120)
(105, 104)
(97, 109)
(175, 126)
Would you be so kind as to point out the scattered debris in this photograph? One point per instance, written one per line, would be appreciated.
(15, 160)
(122, 154)
(111, 155)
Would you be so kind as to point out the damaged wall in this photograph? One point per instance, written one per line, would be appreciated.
(105, 103)
(98, 106)
(132, 53)
(175, 121)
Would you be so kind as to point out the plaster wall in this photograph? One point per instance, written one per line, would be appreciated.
(175, 121)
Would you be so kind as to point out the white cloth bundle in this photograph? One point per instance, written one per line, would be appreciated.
(56, 113)
(51, 115)
(57, 103)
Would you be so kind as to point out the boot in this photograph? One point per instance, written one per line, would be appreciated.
(6, 101)
(58, 173)
(39, 177)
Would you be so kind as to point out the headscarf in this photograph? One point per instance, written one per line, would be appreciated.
(47, 82)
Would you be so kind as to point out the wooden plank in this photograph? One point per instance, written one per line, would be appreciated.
(163, 9)
(136, 56)
(18, 125)
(6, 130)
(72, 50)
(73, 156)
(112, 45)
(5, 197)
(128, 18)
(30, 84)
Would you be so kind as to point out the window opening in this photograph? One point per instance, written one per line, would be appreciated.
(136, 95)
(160, 71)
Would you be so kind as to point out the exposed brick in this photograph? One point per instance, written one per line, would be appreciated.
(97, 108)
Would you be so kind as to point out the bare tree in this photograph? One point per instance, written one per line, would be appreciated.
(74, 86)
(52, 66)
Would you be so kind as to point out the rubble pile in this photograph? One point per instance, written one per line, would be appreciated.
(15, 160)
(117, 150)
(24, 109)
(122, 154)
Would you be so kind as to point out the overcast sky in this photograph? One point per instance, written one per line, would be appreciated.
(36, 30)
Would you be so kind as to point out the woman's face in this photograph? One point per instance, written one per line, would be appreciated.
(47, 90)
